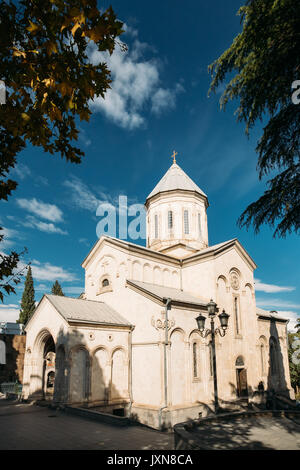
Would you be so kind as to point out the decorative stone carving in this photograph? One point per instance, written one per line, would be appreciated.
(234, 280)
(161, 324)
(91, 336)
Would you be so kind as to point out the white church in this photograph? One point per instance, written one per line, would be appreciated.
(131, 346)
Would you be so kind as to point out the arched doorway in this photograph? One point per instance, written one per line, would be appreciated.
(241, 378)
(41, 380)
(48, 379)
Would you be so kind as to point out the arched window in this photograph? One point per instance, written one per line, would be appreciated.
(2, 352)
(105, 284)
(236, 315)
(186, 222)
(196, 372)
(170, 220)
(262, 352)
(239, 361)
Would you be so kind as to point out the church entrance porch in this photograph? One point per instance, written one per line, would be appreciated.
(42, 367)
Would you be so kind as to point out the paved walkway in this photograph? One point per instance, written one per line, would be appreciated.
(252, 433)
(24, 426)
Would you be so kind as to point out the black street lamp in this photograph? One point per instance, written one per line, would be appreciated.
(223, 317)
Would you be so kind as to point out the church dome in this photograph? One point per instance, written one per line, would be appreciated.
(175, 179)
(176, 214)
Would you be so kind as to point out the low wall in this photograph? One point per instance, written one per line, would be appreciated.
(98, 416)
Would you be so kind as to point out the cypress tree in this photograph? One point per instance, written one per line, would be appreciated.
(27, 302)
(56, 289)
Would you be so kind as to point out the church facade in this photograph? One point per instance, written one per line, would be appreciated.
(131, 344)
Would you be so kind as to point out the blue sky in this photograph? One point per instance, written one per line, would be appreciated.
(158, 103)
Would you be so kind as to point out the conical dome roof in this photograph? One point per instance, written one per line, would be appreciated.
(175, 178)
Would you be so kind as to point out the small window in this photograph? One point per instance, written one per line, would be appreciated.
(170, 220)
(186, 222)
(105, 283)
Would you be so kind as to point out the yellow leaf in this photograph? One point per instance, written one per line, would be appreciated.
(18, 53)
(25, 117)
(44, 97)
(75, 27)
(33, 27)
(49, 82)
(70, 104)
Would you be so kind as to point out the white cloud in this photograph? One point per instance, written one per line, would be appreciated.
(42, 209)
(9, 236)
(135, 85)
(40, 180)
(165, 99)
(274, 304)
(49, 272)
(73, 290)
(41, 288)
(271, 288)
(21, 170)
(84, 241)
(9, 306)
(43, 226)
(83, 198)
(9, 314)
(291, 316)
(81, 195)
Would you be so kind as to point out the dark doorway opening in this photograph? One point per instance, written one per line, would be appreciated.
(242, 386)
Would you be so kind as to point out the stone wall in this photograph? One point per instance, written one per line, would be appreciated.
(14, 354)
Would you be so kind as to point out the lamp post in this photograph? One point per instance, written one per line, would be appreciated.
(223, 317)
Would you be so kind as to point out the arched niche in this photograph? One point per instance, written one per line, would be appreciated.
(119, 374)
(79, 374)
(178, 367)
(100, 375)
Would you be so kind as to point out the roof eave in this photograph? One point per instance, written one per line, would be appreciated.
(170, 191)
(163, 300)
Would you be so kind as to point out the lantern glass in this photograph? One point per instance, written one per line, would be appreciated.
(211, 307)
(224, 319)
(201, 322)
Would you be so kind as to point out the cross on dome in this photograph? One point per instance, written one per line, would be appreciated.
(174, 156)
